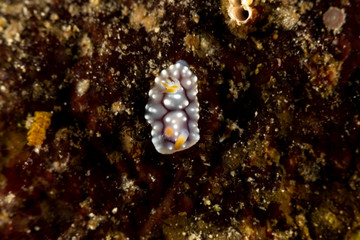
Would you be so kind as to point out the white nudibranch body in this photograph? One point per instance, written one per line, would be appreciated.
(173, 109)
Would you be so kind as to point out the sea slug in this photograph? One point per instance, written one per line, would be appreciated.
(173, 109)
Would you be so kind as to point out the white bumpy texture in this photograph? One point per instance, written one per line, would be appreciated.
(173, 109)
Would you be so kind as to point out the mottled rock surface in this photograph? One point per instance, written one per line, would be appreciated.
(279, 96)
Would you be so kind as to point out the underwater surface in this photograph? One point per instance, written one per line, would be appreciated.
(279, 103)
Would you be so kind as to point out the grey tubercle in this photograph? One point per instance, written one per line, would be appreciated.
(183, 62)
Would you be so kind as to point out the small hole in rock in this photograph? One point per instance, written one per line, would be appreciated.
(241, 14)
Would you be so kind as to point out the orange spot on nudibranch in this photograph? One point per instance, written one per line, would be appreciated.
(170, 88)
(165, 85)
(180, 141)
(169, 131)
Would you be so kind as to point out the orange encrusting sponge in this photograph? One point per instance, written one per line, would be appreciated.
(37, 133)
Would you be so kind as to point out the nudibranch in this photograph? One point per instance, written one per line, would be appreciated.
(173, 109)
